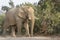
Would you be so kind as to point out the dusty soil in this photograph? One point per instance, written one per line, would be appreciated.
(29, 38)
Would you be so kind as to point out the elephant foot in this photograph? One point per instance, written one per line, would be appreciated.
(4, 34)
(31, 35)
(18, 34)
(13, 35)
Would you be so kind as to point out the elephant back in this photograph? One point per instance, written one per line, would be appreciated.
(10, 16)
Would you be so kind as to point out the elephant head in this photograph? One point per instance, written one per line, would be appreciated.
(25, 12)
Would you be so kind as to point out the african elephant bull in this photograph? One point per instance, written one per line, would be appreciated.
(19, 16)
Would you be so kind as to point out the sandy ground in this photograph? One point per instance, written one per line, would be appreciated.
(30, 38)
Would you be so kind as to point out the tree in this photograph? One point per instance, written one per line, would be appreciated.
(6, 8)
(50, 10)
(11, 3)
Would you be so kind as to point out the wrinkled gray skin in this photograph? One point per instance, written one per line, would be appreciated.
(17, 16)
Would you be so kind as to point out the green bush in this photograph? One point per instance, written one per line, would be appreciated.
(1, 22)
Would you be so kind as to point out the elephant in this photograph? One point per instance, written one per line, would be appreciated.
(19, 16)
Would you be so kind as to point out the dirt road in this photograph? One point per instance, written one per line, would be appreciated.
(29, 38)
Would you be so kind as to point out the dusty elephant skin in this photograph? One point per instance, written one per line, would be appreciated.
(16, 16)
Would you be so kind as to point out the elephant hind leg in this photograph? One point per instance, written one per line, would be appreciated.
(13, 31)
(5, 26)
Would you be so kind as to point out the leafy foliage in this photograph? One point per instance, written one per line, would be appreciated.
(1, 22)
(50, 12)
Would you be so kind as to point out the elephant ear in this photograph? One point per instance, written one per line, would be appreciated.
(21, 14)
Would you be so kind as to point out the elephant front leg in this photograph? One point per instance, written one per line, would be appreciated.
(19, 30)
(19, 24)
(27, 28)
(32, 27)
(32, 31)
